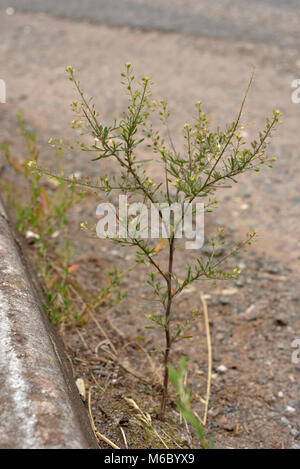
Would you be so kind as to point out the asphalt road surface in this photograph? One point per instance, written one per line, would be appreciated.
(259, 21)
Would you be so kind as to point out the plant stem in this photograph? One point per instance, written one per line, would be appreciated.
(167, 331)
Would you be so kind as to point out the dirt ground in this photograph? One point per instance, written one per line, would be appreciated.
(255, 399)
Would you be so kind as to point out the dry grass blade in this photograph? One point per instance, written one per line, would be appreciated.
(115, 328)
(170, 438)
(96, 432)
(124, 437)
(103, 332)
(209, 352)
(114, 354)
(154, 368)
(145, 419)
(82, 339)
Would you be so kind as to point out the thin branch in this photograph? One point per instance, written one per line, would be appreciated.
(231, 135)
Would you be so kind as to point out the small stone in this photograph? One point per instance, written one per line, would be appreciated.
(216, 359)
(31, 236)
(252, 356)
(229, 291)
(285, 421)
(207, 296)
(221, 369)
(215, 412)
(295, 446)
(294, 432)
(231, 409)
(224, 301)
(239, 283)
(247, 194)
(55, 234)
(255, 310)
(274, 270)
(290, 410)
(81, 347)
(225, 424)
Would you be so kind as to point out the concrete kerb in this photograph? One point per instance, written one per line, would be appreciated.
(40, 405)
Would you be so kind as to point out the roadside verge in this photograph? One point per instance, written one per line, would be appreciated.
(39, 402)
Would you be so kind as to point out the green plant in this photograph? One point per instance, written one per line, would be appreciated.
(41, 214)
(177, 378)
(40, 210)
(212, 160)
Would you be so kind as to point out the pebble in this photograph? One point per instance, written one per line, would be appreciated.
(290, 410)
(274, 270)
(294, 432)
(207, 296)
(231, 409)
(81, 347)
(247, 194)
(225, 424)
(216, 359)
(221, 369)
(30, 235)
(255, 310)
(224, 301)
(215, 412)
(295, 446)
(285, 421)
